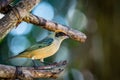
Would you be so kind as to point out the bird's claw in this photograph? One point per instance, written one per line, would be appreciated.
(17, 72)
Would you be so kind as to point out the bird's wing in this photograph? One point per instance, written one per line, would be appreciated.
(43, 43)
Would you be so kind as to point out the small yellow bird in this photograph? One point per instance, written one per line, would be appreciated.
(43, 49)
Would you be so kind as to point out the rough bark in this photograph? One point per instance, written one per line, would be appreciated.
(17, 13)
(29, 73)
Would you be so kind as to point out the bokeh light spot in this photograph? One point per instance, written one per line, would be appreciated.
(45, 10)
(22, 29)
(77, 20)
(18, 44)
(1, 15)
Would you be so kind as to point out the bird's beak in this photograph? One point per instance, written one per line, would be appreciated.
(66, 36)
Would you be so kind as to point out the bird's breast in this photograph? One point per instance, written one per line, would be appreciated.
(46, 51)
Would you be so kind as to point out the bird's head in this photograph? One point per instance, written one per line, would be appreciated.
(61, 36)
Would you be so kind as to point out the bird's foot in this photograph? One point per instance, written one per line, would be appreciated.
(17, 72)
(35, 65)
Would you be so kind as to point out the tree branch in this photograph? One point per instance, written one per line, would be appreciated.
(17, 13)
(28, 73)
(53, 26)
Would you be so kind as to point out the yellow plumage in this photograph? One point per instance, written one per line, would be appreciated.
(42, 52)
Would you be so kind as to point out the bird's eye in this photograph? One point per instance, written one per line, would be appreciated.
(60, 34)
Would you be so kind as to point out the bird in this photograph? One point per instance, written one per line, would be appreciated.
(44, 48)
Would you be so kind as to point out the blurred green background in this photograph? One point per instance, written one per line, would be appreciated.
(96, 59)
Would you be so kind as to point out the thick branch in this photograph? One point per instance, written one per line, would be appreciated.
(28, 73)
(16, 15)
(4, 5)
(53, 26)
